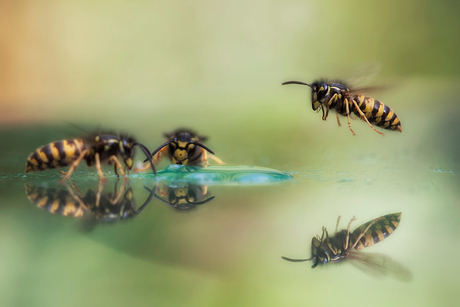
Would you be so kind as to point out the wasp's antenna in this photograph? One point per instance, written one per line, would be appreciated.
(160, 148)
(78, 127)
(148, 155)
(295, 82)
(296, 260)
(201, 145)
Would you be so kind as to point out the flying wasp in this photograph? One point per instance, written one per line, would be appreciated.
(344, 245)
(183, 147)
(95, 150)
(337, 96)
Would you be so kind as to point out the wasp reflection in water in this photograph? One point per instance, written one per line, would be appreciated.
(345, 245)
(101, 206)
(182, 196)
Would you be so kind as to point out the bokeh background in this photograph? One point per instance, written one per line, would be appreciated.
(147, 67)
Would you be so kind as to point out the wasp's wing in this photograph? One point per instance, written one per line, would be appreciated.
(381, 264)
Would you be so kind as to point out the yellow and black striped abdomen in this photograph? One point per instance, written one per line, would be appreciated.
(382, 228)
(55, 155)
(376, 112)
(55, 201)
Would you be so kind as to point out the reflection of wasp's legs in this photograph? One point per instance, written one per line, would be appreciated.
(363, 116)
(74, 165)
(365, 230)
(348, 234)
(119, 193)
(337, 226)
(76, 197)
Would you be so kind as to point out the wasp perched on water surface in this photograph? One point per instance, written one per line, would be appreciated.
(344, 245)
(339, 97)
(184, 147)
(95, 149)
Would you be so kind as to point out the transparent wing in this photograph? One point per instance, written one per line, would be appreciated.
(379, 264)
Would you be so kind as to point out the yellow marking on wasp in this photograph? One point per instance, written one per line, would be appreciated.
(380, 111)
(390, 115)
(389, 229)
(368, 240)
(69, 209)
(80, 212)
(386, 124)
(54, 206)
(69, 149)
(395, 223)
(395, 122)
(55, 152)
(369, 106)
(378, 120)
(42, 202)
(34, 161)
(315, 97)
(42, 156)
(379, 235)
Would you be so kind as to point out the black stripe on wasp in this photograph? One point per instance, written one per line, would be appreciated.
(339, 97)
(95, 149)
(345, 245)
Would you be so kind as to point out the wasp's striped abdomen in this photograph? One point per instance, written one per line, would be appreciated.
(55, 155)
(376, 112)
(382, 228)
(55, 201)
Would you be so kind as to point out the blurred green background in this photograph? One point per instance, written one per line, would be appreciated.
(148, 67)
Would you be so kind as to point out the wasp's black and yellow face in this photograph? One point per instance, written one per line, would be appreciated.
(127, 151)
(181, 151)
(318, 94)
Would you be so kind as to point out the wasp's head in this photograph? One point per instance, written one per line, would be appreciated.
(127, 150)
(318, 254)
(319, 90)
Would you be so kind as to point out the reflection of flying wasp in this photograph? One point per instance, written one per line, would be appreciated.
(183, 147)
(100, 205)
(95, 149)
(344, 245)
(182, 196)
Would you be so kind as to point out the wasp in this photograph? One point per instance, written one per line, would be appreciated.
(183, 196)
(100, 205)
(95, 150)
(339, 97)
(344, 245)
(183, 147)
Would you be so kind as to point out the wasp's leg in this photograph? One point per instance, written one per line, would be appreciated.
(118, 194)
(219, 161)
(99, 168)
(348, 115)
(74, 165)
(337, 226)
(120, 167)
(348, 233)
(363, 116)
(115, 169)
(156, 160)
(365, 230)
(338, 120)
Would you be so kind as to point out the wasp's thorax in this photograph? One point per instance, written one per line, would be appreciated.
(108, 145)
(322, 92)
(331, 249)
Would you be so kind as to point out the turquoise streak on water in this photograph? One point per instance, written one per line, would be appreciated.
(251, 175)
